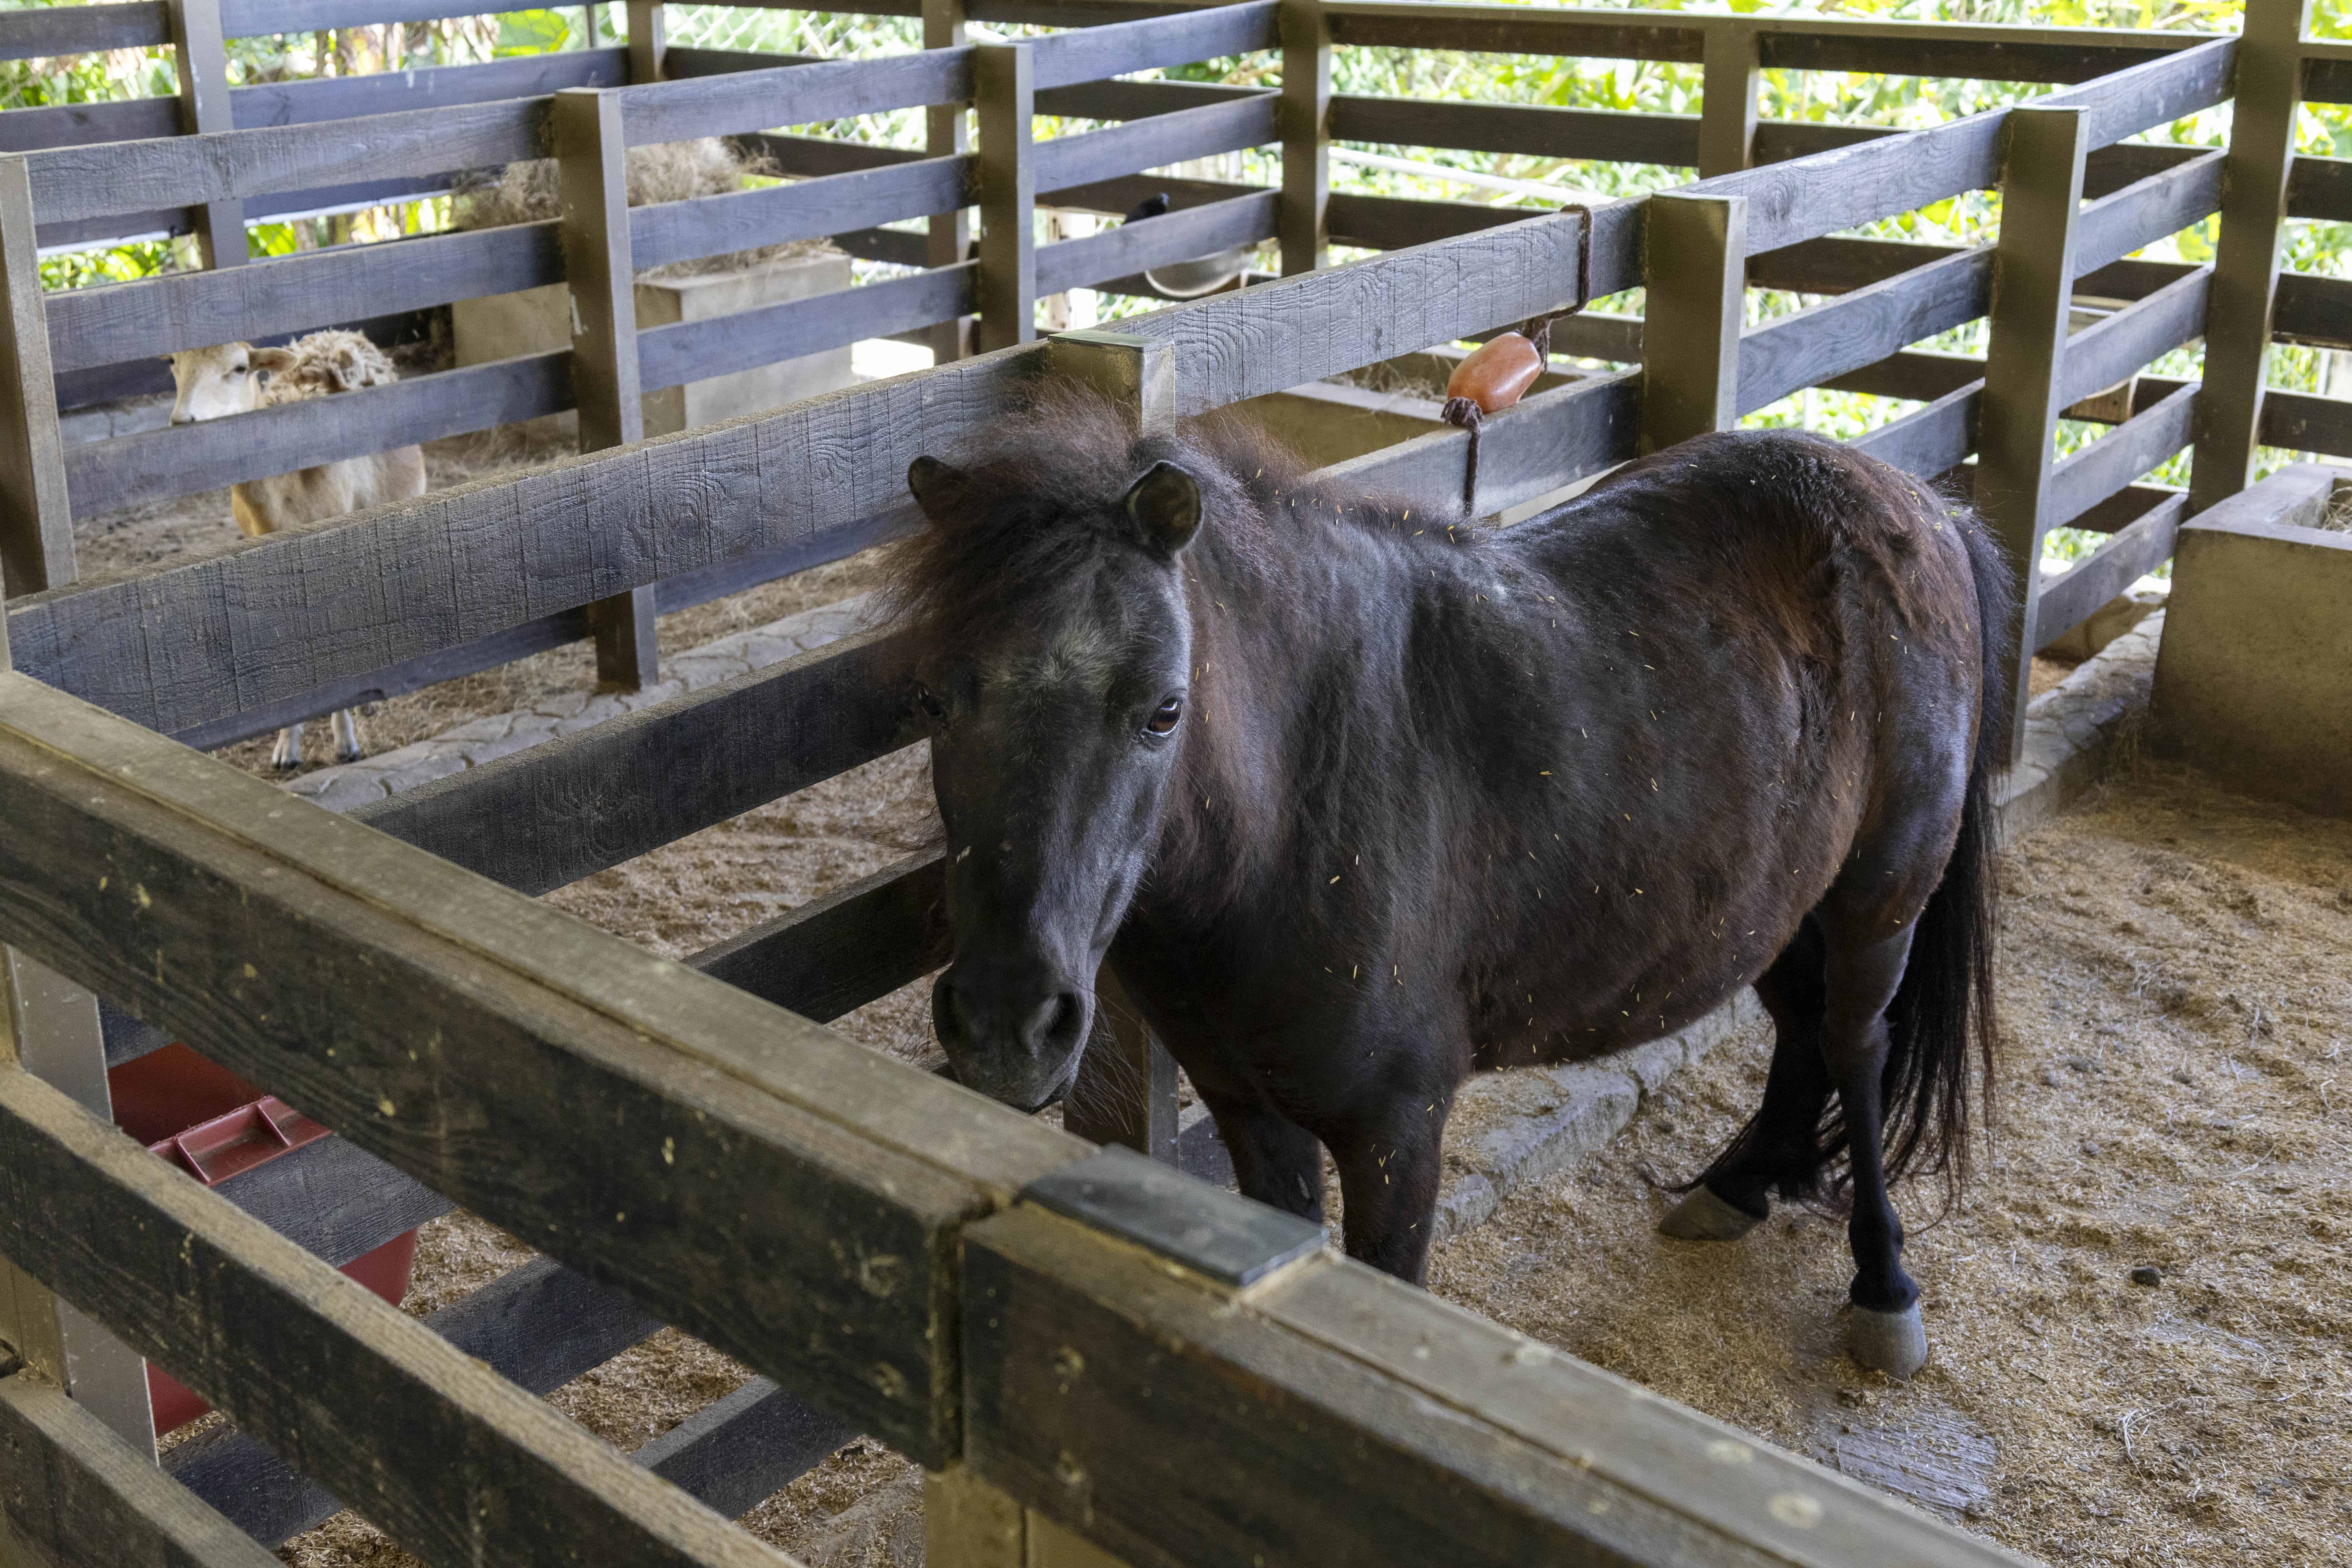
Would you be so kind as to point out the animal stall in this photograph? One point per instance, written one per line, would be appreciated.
(1091, 1353)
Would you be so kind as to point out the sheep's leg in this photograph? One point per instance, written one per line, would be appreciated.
(287, 754)
(348, 747)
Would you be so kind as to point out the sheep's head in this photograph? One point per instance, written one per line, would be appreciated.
(226, 379)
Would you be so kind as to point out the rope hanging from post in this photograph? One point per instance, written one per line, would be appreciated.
(1498, 373)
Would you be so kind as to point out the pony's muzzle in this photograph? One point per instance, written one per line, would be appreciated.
(1012, 1030)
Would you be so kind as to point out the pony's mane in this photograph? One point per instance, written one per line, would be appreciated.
(1039, 499)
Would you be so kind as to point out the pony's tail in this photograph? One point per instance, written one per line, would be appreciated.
(1940, 1026)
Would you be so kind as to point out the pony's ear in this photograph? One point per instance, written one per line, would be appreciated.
(1165, 505)
(933, 485)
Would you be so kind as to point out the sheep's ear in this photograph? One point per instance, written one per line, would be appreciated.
(933, 485)
(272, 360)
(1165, 504)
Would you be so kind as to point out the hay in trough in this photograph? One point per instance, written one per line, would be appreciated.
(528, 191)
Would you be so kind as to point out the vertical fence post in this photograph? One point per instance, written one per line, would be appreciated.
(1004, 83)
(2269, 89)
(1731, 79)
(200, 55)
(947, 133)
(36, 540)
(592, 174)
(2033, 289)
(1303, 227)
(968, 1523)
(1695, 278)
(649, 40)
(1125, 1089)
(48, 1027)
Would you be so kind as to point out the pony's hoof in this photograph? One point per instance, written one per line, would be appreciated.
(1703, 1216)
(1893, 1342)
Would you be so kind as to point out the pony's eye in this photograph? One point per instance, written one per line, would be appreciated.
(932, 706)
(1163, 718)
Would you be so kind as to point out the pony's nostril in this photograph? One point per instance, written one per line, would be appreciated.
(1053, 1023)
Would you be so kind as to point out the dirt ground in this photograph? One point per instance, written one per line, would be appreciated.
(2176, 1007)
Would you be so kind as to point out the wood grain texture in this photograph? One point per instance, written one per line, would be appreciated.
(183, 459)
(2091, 474)
(1931, 440)
(200, 62)
(1151, 143)
(734, 1455)
(549, 815)
(807, 209)
(2129, 555)
(1330, 1416)
(653, 1129)
(2106, 352)
(1303, 221)
(430, 87)
(801, 94)
(79, 124)
(137, 176)
(717, 345)
(1529, 130)
(451, 1460)
(1089, 54)
(334, 1199)
(85, 1498)
(193, 642)
(1861, 327)
(855, 945)
(193, 309)
(2148, 210)
(83, 30)
(1537, 446)
(1156, 242)
(592, 179)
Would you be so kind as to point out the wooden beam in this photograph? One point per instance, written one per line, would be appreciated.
(1928, 441)
(85, 1498)
(1861, 327)
(1696, 248)
(1004, 77)
(2092, 473)
(1304, 225)
(717, 345)
(2246, 262)
(200, 55)
(226, 1305)
(1537, 446)
(81, 30)
(855, 945)
(2034, 283)
(2129, 554)
(734, 1455)
(947, 133)
(592, 170)
(747, 1131)
(1731, 83)
(648, 39)
(1132, 248)
(1125, 1092)
(1187, 133)
(2106, 352)
(37, 539)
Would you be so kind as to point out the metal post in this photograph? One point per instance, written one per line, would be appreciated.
(2269, 90)
(592, 173)
(649, 40)
(947, 133)
(200, 55)
(2032, 291)
(1696, 279)
(1306, 111)
(1732, 77)
(1004, 79)
(49, 1027)
(36, 540)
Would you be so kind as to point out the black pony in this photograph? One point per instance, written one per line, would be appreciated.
(1355, 802)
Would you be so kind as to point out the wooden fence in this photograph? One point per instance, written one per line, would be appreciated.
(1092, 1353)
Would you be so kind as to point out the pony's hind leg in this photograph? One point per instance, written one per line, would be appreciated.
(1780, 1146)
(1862, 979)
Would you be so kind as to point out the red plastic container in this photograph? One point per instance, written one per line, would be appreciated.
(214, 1125)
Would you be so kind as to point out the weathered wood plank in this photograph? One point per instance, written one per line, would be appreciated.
(1005, 291)
(1538, 445)
(855, 945)
(1861, 327)
(81, 125)
(85, 1498)
(2313, 309)
(2327, 73)
(1511, 30)
(735, 1454)
(1089, 54)
(2106, 352)
(1731, 83)
(718, 345)
(1931, 440)
(811, 209)
(36, 538)
(2129, 555)
(1529, 130)
(1331, 1414)
(251, 18)
(538, 1326)
(48, 32)
(2092, 473)
(1187, 133)
(1696, 280)
(430, 87)
(194, 309)
(421, 1436)
(543, 818)
(1302, 216)
(182, 459)
(200, 62)
(1156, 242)
(135, 177)
(804, 94)
(2148, 210)
(2320, 188)
(334, 1199)
(647, 1126)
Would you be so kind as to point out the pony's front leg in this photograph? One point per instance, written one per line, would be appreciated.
(1389, 1154)
(1276, 1161)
